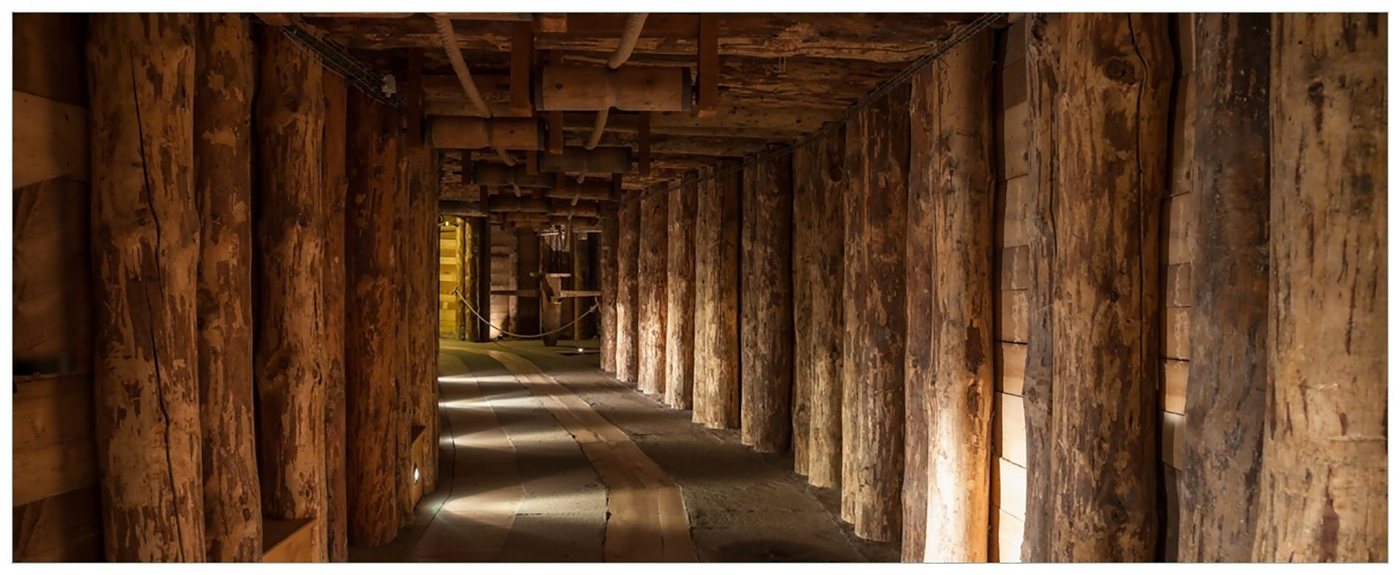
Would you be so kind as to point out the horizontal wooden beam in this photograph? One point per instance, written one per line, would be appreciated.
(462, 133)
(573, 88)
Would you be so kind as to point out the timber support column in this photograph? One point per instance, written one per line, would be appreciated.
(420, 276)
(765, 324)
(921, 322)
(607, 276)
(581, 278)
(959, 402)
(145, 256)
(480, 257)
(373, 322)
(551, 312)
(1323, 474)
(651, 294)
(716, 394)
(223, 111)
(1225, 399)
(628, 248)
(290, 359)
(872, 459)
(334, 288)
(819, 184)
(680, 296)
(462, 245)
(1115, 72)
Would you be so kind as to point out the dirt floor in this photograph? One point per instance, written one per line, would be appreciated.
(530, 493)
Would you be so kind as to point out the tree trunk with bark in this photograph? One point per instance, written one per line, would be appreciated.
(628, 250)
(877, 163)
(290, 357)
(716, 394)
(651, 294)
(373, 322)
(1323, 474)
(145, 234)
(1228, 373)
(223, 156)
(765, 321)
(922, 327)
(959, 403)
(608, 284)
(819, 182)
(680, 297)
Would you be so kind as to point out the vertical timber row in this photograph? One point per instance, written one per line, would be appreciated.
(651, 294)
(680, 295)
(335, 186)
(628, 249)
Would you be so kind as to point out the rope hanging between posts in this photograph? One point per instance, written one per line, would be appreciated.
(457, 291)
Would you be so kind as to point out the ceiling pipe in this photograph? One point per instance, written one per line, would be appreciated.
(448, 36)
(599, 124)
(630, 34)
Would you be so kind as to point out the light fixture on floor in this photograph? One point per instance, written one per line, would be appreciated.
(415, 474)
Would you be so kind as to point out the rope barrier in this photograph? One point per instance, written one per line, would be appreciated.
(457, 291)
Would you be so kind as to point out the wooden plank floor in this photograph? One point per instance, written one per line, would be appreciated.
(545, 458)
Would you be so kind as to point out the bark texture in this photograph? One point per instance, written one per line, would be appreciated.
(680, 297)
(1228, 371)
(373, 322)
(480, 262)
(959, 403)
(333, 284)
(716, 396)
(1323, 474)
(819, 184)
(628, 249)
(1109, 158)
(145, 234)
(421, 277)
(608, 284)
(1044, 35)
(877, 163)
(922, 325)
(290, 355)
(223, 156)
(765, 321)
(582, 279)
(651, 294)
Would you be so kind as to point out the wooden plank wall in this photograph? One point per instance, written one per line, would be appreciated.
(447, 280)
(57, 516)
(1010, 306)
(1179, 226)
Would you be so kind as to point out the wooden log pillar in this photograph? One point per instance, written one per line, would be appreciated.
(1044, 37)
(463, 252)
(481, 257)
(921, 329)
(421, 277)
(1225, 399)
(582, 278)
(373, 322)
(551, 313)
(765, 318)
(819, 184)
(959, 402)
(223, 156)
(651, 293)
(1323, 474)
(680, 296)
(872, 421)
(628, 248)
(1109, 166)
(290, 358)
(716, 396)
(335, 185)
(145, 232)
(608, 284)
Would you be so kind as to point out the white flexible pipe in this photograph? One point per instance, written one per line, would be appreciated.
(448, 37)
(630, 34)
(599, 124)
(505, 158)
